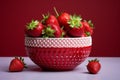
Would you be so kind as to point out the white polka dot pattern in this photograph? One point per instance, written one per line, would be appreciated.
(58, 42)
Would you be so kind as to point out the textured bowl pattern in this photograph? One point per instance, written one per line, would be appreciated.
(58, 53)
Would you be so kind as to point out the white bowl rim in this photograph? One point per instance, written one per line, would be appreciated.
(58, 42)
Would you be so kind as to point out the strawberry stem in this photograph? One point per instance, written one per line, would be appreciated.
(56, 11)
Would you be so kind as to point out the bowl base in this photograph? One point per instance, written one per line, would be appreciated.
(58, 59)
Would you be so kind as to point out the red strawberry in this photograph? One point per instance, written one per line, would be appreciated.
(88, 27)
(34, 28)
(52, 30)
(94, 66)
(63, 18)
(17, 65)
(50, 19)
(76, 29)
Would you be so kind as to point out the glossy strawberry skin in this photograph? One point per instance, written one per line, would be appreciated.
(36, 32)
(88, 30)
(52, 23)
(57, 30)
(76, 31)
(52, 20)
(63, 19)
(94, 67)
(16, 65)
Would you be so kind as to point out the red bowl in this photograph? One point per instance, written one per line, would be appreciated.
(58, 53)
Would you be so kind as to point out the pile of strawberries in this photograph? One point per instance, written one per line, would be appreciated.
(59, 25)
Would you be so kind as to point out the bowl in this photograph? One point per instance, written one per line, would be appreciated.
(58, 54)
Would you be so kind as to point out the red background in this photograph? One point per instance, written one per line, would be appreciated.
(105, 14)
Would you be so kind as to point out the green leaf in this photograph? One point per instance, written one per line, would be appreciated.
(91, 24)
(74, 21)
(48, 32)
(45, 17)
(32, 24)
(87, 33)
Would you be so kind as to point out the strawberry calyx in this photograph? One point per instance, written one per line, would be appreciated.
(90, 23)
(94, 60)
(75, 21)
(87, 33)
(45, 17)
(22, 60)
(48, 32)
(33, 24)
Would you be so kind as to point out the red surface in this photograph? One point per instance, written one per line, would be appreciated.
(104, 13)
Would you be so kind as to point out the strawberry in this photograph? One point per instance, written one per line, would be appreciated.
(34, 28)
(50, 19)
(52, 30)
(76, 28)
(93, 66)
(63, 19)
(17, 65)
(88, 27)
